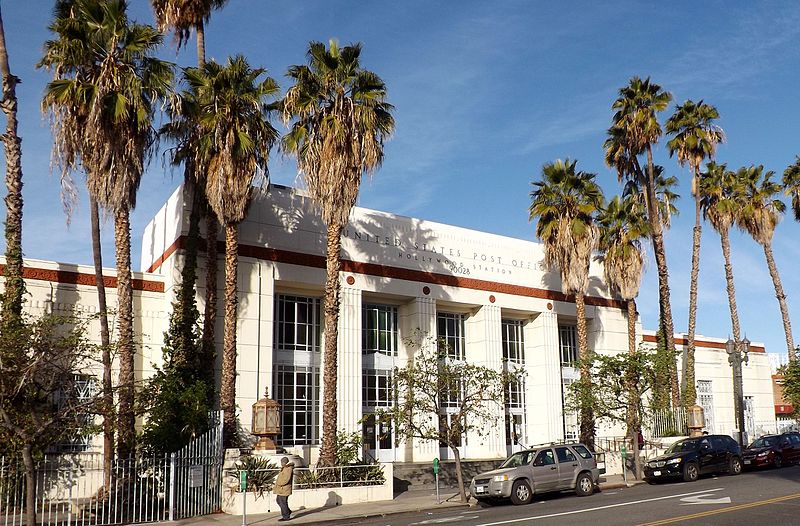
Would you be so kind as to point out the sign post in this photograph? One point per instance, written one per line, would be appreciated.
(436, 476)
(243, 489)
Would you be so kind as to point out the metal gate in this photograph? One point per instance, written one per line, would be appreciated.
(70, 490)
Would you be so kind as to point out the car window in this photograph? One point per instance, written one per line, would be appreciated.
(718, 443)
(689, 444)
(582, 451)
(519, 458)
(565, 455)
(544, 458)
(795, 439)
(764, 442)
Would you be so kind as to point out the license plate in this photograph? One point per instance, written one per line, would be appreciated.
(480, 489)
(747, 461)
(656, 473)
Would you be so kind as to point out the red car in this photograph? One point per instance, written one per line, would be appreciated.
(773, 450)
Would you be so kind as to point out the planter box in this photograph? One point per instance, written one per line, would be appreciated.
(309, 498)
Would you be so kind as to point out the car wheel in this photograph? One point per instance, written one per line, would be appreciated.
(777, 461)
(735, 466)
(521, 492)
(690, 472)
(584, 485)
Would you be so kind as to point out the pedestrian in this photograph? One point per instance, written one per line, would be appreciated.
(283, 488)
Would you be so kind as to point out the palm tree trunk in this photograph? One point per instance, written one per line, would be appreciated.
(227, 391)
(776, 280)
(105, 344)
(201, 44)
(14, 284)
(663, 273)
(689, 391)
(210, 311)
(327, 454)
(726, 252)
(586, 412)
(126, 420)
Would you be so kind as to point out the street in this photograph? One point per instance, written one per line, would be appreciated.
(763, 497)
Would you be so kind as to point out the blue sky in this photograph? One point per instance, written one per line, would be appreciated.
(486, 93)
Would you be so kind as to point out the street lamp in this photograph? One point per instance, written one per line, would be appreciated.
(737, 354)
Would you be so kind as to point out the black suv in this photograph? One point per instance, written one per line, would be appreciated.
(691, 457)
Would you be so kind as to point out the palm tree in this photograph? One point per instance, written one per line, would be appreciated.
(181, 16)
(235, 138)
(695, 139)
(720, 201)
(791, 186)
(565, 203)
(12, 143)
(634, 130)
(339, 121)
(108, 82)
(623, 224)
(759, 215)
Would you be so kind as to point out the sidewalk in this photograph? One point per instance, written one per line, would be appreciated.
(408, 501)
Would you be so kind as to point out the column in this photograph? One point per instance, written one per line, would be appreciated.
(348, 388)
(543, 382)
(485, 348)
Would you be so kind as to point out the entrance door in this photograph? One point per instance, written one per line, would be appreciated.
(378, 437)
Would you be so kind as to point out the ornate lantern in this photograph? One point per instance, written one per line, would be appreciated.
(266, 422)
(695, 420)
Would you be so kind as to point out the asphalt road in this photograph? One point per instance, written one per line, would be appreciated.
(770, 497)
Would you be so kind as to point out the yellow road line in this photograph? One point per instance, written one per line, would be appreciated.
(722, 510)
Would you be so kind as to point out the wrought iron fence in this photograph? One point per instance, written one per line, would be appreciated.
(666, 423)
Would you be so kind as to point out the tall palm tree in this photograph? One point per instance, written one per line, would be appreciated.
(235, 138)
(694, 139)
(759, 215)
(565, 203)
(12, 144)
(791, 186)
(720, 201)
(181, 16)
(339, 121)
(108, 82)
(623, 225)
(634, 131)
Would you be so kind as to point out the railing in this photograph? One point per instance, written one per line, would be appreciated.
(324, 477)
(666, 423)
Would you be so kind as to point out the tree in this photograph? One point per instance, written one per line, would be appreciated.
(623, 224)
(443, 399)
(760, 213)
(791, 186)
(108, 83)
(634, 131)
(720, 200)
(12, 143)
(791, 381)
(40, 364)
(181, 16)
(235, 138)
(565, 203)
(339, 120)
(695, 139)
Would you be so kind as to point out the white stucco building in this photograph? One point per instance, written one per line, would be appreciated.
(488, 295)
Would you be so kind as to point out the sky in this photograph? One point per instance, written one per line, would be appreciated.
(486, 93)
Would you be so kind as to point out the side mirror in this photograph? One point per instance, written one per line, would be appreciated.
(705, 447)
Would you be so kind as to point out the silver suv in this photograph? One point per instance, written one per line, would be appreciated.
(541, 469)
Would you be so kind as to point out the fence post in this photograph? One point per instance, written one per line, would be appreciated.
(172, 486)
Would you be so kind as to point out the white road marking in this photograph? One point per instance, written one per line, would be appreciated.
(700, 499)
(444, 520)
(574, 512)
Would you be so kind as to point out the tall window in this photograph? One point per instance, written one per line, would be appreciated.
(513, 341)
(568, 342)
(297, 388)
(79, 439)
(376, 388)
(379, 329)
(450, 330)
(705, 397)
(298, 323)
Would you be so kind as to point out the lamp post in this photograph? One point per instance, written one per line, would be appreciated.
(266, 422)
(737, 354)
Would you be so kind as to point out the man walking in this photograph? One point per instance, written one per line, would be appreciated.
(283, 488)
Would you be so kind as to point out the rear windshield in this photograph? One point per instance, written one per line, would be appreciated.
(582, 451)
(519, 458)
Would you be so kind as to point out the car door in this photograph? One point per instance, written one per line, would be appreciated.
(545, 471)
(794, 444)
(707, 457)
(568, 467)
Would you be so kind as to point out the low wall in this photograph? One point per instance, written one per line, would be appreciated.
(308, 498)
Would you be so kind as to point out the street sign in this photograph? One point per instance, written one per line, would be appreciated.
(435, 466)
(243, 480)
(195, 476)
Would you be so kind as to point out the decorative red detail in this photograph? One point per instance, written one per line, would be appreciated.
(492, 299)
(351, 280)
(79, 278)
(426, 290)
(549, 306)
(651, 338)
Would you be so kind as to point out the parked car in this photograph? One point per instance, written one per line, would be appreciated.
(554, 467)
(772, 450)
(691, 457)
